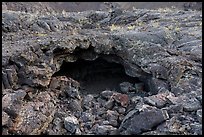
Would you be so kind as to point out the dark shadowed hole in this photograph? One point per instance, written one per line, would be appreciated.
(96, 76)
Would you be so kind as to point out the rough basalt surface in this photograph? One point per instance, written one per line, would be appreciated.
(159, 49)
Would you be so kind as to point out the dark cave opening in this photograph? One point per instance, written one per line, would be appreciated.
(97, 75)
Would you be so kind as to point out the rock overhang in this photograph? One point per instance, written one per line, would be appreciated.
(142, 54)
(165, 57)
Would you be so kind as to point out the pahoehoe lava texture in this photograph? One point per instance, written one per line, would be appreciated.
(149, 60)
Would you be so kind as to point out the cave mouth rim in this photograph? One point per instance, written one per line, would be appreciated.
(104, 59)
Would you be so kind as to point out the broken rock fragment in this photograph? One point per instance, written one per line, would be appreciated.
(11, 102)
(104, 129)
(125, 87)
(189, 103)
(122, 99)
(199, 115)
(71, 124)
(171, 126)
(5, 118)
(109, 104)
(161, 48)
(158, 100)
(196, 128)
(107, 94)
(137, 122)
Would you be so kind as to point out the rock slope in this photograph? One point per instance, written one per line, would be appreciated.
(162, 48)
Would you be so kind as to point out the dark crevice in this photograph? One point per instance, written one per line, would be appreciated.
(97, 75)
(83, 52)
(44, 50)
(58, 50)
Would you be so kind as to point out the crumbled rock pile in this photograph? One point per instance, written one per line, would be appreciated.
(162, 48)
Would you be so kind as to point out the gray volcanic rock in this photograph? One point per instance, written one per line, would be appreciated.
(142, 121)
(189, 103)
(87, 101)
(126, 87)
(5, 118)
(107, 94)
(104, 130)
(199, 115)
(71, 124)
(196, 128)
(11, 102)
(171, 126)
(158, 100)
(44, 7)
(160, 48)
(29, 119)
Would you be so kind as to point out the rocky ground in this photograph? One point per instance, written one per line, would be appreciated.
(52, 65)
(105, 6)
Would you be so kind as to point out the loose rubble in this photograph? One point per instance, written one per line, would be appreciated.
(159, 49)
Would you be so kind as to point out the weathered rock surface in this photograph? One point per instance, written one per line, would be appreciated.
(162, 48)
(104, 130)
(199, 115)
(71, 124)
(5, 118)
(137, 122)
(126, 87)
